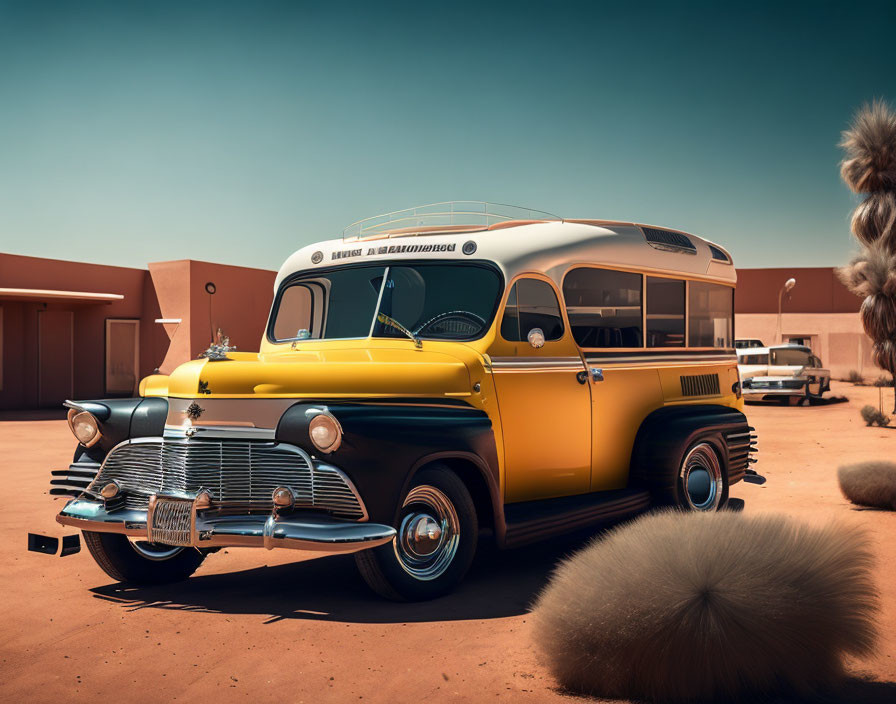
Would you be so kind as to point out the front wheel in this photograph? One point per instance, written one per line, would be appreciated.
(436, 540)
(141, 562)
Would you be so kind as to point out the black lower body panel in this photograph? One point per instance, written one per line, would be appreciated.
(531, 521)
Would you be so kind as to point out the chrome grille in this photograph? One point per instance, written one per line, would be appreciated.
(236, 472)
(171, 522)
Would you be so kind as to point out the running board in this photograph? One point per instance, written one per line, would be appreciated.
(530, 521)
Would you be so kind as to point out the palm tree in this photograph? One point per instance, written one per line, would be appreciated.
(869, 169)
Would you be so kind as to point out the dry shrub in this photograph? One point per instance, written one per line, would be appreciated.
(870, 146)
(871, 272)
(872, 416)
(875, 217)
(694, 606)
(854, 377)
(869, 484)
(884, 354)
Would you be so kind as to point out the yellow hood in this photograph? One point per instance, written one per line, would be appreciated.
(330, 372)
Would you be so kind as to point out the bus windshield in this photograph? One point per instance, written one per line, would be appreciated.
(425, 301)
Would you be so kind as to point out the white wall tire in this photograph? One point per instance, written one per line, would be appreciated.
(435, 544)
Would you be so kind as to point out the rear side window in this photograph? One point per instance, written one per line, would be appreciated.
(788, 357)
(604, 307)
(531, 304)
(711, 317)
(665, 312)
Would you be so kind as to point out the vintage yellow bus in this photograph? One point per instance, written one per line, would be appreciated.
(429, 376)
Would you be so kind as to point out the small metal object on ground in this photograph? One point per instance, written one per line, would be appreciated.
(752, 477)
(48, 545)
(42, 543)
(71, 544)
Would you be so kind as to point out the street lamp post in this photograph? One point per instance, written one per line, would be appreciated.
(788, 285)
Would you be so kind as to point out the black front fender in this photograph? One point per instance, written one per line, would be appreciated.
(120, 419)
(667, 432)
(384, 444)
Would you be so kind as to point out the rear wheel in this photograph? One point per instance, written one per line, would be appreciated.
(701, 485)
(435, 544)
(139, 561)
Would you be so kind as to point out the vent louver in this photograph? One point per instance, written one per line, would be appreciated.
(719, 255)
(668, 240)
(700, 385)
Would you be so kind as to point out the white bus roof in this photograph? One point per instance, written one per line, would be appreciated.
(544, 244)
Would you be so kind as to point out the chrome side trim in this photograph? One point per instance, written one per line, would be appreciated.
(297, 532)
(219, 431)
(660, 360)
(520, 364)
(217, 412)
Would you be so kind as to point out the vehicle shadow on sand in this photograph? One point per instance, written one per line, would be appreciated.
(854, 690)
(803, 403)
(499, 584)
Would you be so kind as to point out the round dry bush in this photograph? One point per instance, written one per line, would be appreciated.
(870, 145)
(869, 484)
(870, 273)
(878, 315)
(875, 219)
(884, 355)
(692, 606)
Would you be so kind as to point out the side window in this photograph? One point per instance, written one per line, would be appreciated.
(710, 315)
(604, 307)
(665, 312)
(294, 315)
(531, 304)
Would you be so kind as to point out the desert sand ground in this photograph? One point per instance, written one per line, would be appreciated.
(253, 625)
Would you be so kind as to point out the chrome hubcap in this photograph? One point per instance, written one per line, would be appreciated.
(701, 478)
(428, 534)
(154, 551)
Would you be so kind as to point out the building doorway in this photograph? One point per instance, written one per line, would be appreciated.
(122, 356)
(55, 333)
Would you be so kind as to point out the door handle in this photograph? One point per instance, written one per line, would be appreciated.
(595, 374)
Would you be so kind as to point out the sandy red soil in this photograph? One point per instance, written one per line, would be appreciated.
(253, 625)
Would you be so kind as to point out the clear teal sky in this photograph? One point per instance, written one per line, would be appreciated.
(239, 131)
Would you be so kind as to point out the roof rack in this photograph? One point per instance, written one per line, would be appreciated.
(449, 216)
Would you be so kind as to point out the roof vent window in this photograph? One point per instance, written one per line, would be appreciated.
(719, 255)
(668, 241)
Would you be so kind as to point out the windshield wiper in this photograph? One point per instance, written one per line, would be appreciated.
(387, 320)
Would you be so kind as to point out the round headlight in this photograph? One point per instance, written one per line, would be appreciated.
(326, 435)
(84, 427)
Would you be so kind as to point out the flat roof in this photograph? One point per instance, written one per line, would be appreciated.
(40, 294)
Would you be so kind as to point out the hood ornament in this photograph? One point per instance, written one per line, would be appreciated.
(217, 350)
(193, 411)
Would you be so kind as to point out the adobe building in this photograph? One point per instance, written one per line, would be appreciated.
(819, 312)
(80, 331)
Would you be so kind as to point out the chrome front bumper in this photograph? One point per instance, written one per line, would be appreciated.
(763, 386)
(295, 531)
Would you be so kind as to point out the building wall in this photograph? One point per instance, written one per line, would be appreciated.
(167, 290)
(239, 306)
(837, 338)
(21, 336)
(819, 309)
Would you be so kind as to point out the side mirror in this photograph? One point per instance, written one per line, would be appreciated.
(536, 337)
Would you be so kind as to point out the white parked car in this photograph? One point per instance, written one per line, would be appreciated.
(782, 370)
